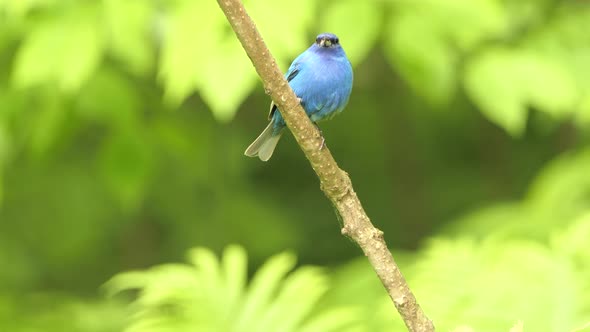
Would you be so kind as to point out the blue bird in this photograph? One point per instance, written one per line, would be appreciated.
(322, 79)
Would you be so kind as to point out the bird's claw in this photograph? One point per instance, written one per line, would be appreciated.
(323, 144)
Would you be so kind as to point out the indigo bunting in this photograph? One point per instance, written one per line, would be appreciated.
(321, 77)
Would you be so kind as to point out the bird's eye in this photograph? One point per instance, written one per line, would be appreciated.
(318, 40)
(336, 41)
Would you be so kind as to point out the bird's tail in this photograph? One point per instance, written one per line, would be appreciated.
(265, 144)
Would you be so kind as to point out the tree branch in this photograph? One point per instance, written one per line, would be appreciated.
(334, 182)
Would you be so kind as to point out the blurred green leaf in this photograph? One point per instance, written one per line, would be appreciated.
(584, 328)
(504, 83)
(130, 25)
(234, 271)
(284, 25)
(296, 289)
(227, 79)
(572, 241)
(429, 66)
(425, 41)
(557, 197)
(64, 50)
(208, 60)
(192, 296)
(357, 39)
(563, 39)
(477, 271)
(19, 8)
(466, 23)
(182, 50)
(560, 192)
(207, 261)
(262, 288)
(501, 217)
(518, 327)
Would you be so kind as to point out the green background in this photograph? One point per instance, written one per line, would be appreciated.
(123, 126)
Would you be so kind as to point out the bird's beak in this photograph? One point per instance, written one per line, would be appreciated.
(322, 42)
(325, 43)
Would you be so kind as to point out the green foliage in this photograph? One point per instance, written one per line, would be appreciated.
(495, 266)
(428, 39)
(485, 284)
(506, 69)
(122, 128)
(128, 25)
(456, 279)
(75, 43)
(211, 295)
(491, 269)
(555, 199)
(359, 38)
(489, 275)
(60, 313)
(505, 82)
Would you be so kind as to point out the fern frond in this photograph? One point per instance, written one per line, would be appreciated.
(213, 296)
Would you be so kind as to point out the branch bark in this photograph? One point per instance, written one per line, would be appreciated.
(334, 182)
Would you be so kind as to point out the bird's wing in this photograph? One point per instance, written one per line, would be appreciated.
(290, 75)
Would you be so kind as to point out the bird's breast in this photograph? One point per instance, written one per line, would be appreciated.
(324, 86)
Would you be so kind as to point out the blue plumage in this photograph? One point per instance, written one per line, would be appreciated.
(322, 78)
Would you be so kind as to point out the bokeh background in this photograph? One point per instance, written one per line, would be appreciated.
(123, 126)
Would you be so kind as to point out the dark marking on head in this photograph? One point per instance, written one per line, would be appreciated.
(327, 40)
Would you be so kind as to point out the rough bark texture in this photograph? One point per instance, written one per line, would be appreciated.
(334, 181)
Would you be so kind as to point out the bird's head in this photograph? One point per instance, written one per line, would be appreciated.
(327, 40)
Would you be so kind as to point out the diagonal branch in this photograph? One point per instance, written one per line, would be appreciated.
(334, 182)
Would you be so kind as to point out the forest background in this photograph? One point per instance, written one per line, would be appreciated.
(122, 131)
